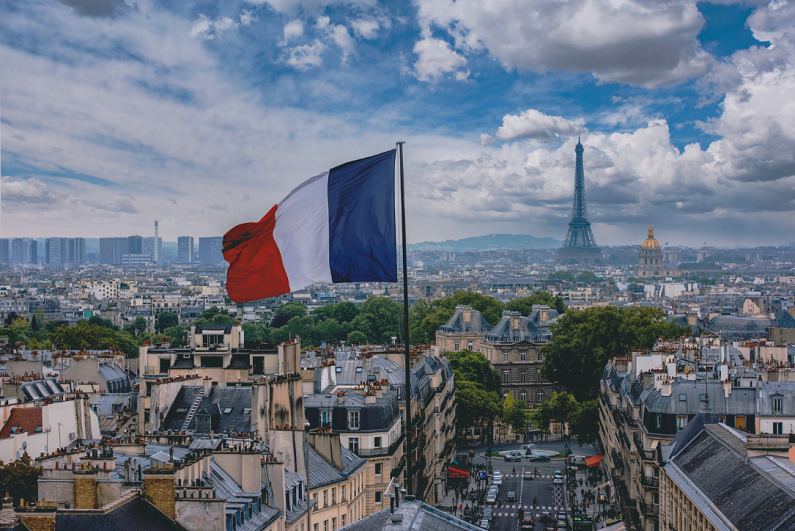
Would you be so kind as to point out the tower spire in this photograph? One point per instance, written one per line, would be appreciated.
(580, 245)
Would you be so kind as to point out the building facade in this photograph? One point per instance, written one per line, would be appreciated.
(651, 261)
(185, 249)
(210, 250)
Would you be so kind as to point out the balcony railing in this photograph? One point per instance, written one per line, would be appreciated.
(650, 482)
(384, 450)
(649, 509)
(645, 455)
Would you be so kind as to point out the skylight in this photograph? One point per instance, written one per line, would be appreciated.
(227, 410)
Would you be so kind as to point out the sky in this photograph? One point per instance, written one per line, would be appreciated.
(203, 115)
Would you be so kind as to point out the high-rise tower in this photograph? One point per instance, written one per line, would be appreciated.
(580, 246)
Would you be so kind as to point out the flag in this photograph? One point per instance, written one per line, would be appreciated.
(338, 226)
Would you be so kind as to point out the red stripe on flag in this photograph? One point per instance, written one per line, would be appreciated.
(255, 270)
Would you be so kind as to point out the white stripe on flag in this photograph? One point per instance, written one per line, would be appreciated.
(302, 233)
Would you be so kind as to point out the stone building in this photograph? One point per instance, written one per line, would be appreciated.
(650, 259)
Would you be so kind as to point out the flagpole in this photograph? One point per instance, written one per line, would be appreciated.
(407, 393)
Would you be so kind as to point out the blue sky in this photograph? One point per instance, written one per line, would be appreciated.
(203, 115)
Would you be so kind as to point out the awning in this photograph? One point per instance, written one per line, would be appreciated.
(593, 461)
(457, 473)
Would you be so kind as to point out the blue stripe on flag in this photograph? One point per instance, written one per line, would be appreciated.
(361, 205)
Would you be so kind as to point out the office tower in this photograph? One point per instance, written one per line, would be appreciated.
(185, 249)
(24, 251)
(150, 248)
(5, 251)
(157, 248)
(135, 245)
(106, 251)
(79, 251)
(210, 250)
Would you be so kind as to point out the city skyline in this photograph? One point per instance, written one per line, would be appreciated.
(204, 116)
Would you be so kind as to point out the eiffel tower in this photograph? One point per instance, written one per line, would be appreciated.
(580, 246)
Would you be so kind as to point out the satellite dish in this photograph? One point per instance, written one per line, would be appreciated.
(24, 445)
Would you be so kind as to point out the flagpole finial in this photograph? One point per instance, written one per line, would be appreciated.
(400, 142)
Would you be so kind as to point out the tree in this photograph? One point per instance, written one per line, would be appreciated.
(254, 334)
(345, 312)
(525, 304)
(515, 413)
(166, 320)
(140, 325)
(475, 406)
(474, 367)
(587, 277)
(489, 307)
(379, 320)
(34, 323)
(583, 341)
(223, 319)
(356, 338)
(20, 479)
(425, 318)
(293, 309)
(584, 422)
(175, 334)
(99, 321)
(322, 313)
(566, 276)
(211, 312)
(13, 316)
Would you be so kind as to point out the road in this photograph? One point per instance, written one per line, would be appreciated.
(547, 495)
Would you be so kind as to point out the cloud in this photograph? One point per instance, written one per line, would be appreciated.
(366, 28)
(247, 17)
(537, 125)
(487, 140)
(208, 28)
(217, 206)
(293, 30)
(306, 56)
(97, 8)
(26, 191)
(294, 7)
(436, 58)
(339, 34)
(123, 203)
(638, 42)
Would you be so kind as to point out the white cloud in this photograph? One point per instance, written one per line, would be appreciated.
(306, 55)
(487, 140)
(630, 41)
(247, 17)
(26, 191)
(339, 34)
(436, 58)
(207, 28)
(534, 124)
(294, 7)
(293, 30)
(366, 28)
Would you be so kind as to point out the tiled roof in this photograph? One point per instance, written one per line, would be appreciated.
(321, 472)
(25, 419)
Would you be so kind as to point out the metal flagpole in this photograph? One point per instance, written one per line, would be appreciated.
(407, 393)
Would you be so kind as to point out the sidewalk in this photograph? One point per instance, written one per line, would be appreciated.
(594, 507)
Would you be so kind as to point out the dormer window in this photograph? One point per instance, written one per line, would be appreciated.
(778, 404)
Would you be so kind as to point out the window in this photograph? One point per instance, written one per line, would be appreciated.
(522, 376)
(540, 396)
(314, 527)
(325, 525)
(658, 423)
(377, 442)
(377, 497)
(702, 397)
(470, 345)
(342, 520)
(353, 445)
(456, 346)
(505, 355)
(540, 378)
(523, 355)
(523, 396)
(227, 410)
(506, 376)
(777, 405)
(353, 420)
(325, 416)
(378, 468)
(681, 422)
(333, 496)
(333, 524)
(778, 428)
(683, 398)
(540, 357)
(343, 497)
(325, 497)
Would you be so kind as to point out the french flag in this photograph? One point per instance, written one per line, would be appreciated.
(339, 226)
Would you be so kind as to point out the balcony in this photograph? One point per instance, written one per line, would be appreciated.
(644, 454)
(649, 509)
(384, 450)
(618, 460)
(650, 482)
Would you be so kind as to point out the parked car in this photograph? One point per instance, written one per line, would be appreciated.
(543, 458)
(488, 514)
(484, 524)
(511, 496)
(491, 498)
(527, 475)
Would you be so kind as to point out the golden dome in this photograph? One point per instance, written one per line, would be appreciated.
(650, 242)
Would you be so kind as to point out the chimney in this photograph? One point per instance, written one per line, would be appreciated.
(515, 320)
(159, 487)
(666, 388)
(544, 314)
(467, 313)
(691, 319)
(727, 388)
(328, 445)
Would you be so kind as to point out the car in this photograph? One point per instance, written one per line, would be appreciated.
(488, 514)
(484, 524)
(557, 480)
(542, 458)
(494, 488)
(562, 517)
(527, 522)
(491, 498)
(527, 475)
(514, 456)
(511, 496)
(546, 517)
(497, 480)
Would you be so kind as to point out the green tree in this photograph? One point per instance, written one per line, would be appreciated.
(175, 334)
(425, 318)
(223, 319)
(379, 320)
(525, 304)
(211, 312)
(140, 325)
(475, 407)
(356, 338)
(474, 367)
(99, 321)
(515, 413)
(584, 422)
(292, 309)
(489, 307)
(587, 277)
(566, 276)
(322, 313)
(34, 323)
(344, 312)
(20, 479)
(583, 341)
(166, 320)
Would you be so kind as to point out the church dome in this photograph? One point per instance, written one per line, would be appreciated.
(651, 243)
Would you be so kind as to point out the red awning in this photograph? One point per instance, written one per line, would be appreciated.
(455, 472)
(593, 461)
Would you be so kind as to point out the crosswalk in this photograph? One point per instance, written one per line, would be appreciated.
(526, 508)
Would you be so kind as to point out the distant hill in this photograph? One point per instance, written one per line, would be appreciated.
(490, 241)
